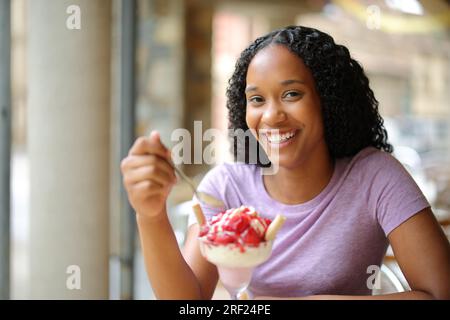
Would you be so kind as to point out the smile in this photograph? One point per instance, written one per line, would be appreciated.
(277, 138)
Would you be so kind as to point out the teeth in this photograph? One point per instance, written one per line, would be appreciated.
(277, 138)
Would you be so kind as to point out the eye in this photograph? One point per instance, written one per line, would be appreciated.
(292, 95)
(255, 100)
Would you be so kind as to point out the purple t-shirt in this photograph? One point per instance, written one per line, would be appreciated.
(327, 243)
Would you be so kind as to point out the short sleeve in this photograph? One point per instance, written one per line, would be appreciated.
(397, 195)
(213, 183)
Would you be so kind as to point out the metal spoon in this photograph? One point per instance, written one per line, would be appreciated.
(201, 196)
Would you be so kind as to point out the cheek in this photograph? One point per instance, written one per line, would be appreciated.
(310, 114)
(316, 123)
(251, 118)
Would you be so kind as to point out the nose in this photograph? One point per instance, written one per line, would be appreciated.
(274, 114)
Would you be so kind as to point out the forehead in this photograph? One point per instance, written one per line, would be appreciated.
(278, 63)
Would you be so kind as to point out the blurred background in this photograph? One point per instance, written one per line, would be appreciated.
(80, 79)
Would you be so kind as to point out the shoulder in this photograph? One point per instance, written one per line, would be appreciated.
(385, 179)
(371, 161)
(374, 170)
(392, 193)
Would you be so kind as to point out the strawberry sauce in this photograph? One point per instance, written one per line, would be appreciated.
(241, 226)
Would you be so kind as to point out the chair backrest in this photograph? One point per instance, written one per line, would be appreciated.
(388, 282)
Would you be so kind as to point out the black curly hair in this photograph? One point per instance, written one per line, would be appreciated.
(349, 108)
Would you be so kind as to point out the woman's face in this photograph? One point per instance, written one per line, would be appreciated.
(281, 95)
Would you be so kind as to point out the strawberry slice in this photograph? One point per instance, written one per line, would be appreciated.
(252, 237)
(241, 227)
(237, 223)
(225, 238)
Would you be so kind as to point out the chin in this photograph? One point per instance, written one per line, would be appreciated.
(287, 162)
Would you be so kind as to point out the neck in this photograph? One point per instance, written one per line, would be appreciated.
(304, 181)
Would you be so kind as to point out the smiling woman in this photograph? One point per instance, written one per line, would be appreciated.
(333, 81)
(344, 195)
(306, 99)
(285, 100)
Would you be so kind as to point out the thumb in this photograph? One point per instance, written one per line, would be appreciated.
(155, 139)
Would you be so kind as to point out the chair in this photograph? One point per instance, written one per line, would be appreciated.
(389, 282)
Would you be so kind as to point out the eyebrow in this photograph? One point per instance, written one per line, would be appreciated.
(283, 83)
(288, 82)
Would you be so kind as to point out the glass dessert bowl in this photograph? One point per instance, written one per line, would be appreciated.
(237, 241)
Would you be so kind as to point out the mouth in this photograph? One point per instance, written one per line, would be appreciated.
(278, 138)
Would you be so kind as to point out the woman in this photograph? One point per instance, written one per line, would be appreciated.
(345, 197)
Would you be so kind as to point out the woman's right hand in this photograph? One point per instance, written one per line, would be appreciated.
(147, 176)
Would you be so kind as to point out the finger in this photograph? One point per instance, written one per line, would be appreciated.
(147, 173)
(147, 188)
(168, 152)
(152, 173)
(143, 146)
(155, 138)
(149, 145)
(135, 162)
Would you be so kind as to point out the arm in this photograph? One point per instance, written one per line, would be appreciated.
(171, 275)
(148, 179)
(423, 253)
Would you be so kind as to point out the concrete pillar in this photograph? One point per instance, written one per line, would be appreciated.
(5, 144)
(68, 144)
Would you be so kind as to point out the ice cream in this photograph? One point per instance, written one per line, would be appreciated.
(235, 238)
(236, 241)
